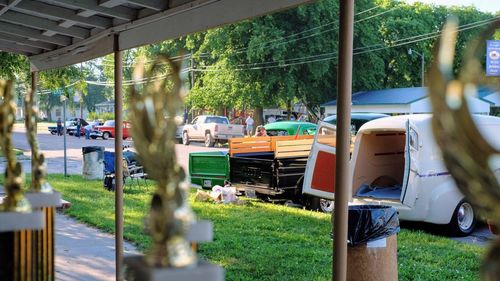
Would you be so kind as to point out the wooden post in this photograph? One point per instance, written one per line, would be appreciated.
(342, 181)
(118, 160)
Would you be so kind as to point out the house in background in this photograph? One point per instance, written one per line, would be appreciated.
(401, 101)
(105, 107)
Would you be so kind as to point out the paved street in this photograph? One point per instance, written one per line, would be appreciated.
(53, 149)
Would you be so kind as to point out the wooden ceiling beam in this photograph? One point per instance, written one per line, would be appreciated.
(24, 41)
(34, 34)
(46, 10)
(119, 12)
(44, 24)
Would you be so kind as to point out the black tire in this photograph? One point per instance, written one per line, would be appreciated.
(53, 133)
(319, 204)
(463, 220)
(313, 203)
(106, 135)
(185, 138)
(209, 140)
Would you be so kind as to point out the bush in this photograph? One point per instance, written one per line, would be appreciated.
(102, 116)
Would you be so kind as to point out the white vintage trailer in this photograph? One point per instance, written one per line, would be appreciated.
(395, 161)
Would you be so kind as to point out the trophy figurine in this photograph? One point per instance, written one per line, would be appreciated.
(467, 155)
(153, 108)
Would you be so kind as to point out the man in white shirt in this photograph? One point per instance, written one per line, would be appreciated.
(88, 129)
(271, 119)
(249, 123)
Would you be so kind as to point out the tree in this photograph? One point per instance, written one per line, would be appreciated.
(61, 81)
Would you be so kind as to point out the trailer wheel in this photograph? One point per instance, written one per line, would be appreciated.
(463, 221)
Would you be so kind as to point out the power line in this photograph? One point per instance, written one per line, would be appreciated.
(357, 51)
(266, 44)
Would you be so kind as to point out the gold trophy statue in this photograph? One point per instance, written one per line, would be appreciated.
(38, 168)
(153, 108)
(15, 201)
(467, 155)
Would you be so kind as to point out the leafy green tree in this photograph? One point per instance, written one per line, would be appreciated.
(61, 81)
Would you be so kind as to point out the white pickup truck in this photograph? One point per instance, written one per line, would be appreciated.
(210, 129)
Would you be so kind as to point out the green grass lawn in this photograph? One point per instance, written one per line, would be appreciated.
(263, 241)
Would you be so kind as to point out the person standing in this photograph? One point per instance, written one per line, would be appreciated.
(59, 126)
(271, 119)
(78, 127)
(89, 128)
(249, 123)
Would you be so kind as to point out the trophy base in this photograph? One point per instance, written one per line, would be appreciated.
(15, 221)
(137, 269)
(42, 200)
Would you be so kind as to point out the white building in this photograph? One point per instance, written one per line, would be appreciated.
(403, 101)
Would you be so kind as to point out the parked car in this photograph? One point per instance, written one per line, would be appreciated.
(396, 162)
(69, 123)
(107, 130)
(71, 130)
(290, 128)
(357, 120)
(210, 129)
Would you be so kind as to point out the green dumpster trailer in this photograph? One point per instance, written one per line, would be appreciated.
(209, 168)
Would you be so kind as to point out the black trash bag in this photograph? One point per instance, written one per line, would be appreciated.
(371, 222)
(89, 149)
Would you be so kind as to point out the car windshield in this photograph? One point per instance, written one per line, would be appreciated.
(218, 120)
(109, 123)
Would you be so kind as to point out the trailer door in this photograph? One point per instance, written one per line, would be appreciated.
(319, 177)
(408, 192)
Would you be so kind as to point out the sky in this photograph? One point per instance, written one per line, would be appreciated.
(491, 6)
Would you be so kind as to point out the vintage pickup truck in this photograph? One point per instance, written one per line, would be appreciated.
(396, 162)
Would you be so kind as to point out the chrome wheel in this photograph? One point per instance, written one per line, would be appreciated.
(326, 206)
(465, 216)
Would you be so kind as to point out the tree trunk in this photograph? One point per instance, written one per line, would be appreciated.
(289, 109)
(257, 116)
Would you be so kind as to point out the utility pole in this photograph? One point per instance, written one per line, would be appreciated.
(422, 63)
(64, 99)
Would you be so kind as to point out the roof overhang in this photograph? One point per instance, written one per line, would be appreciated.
(55, 33)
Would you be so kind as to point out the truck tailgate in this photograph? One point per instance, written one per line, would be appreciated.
(209, 168)
(227, 131)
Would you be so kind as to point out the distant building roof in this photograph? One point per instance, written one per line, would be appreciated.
(106, 103)
(387, 96)
(399, 96)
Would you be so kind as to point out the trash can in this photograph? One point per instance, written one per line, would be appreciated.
(372, 243)
(93, 162)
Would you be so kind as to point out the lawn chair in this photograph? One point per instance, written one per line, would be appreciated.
(130, 169)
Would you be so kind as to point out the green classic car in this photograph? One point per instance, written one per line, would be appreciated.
(290, 128)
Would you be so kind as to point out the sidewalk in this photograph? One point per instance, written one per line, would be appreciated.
(84, 253)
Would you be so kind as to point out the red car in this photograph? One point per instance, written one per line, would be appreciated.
(107, 130)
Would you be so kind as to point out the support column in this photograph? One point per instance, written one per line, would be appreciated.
(342, 181)
(118, 160)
